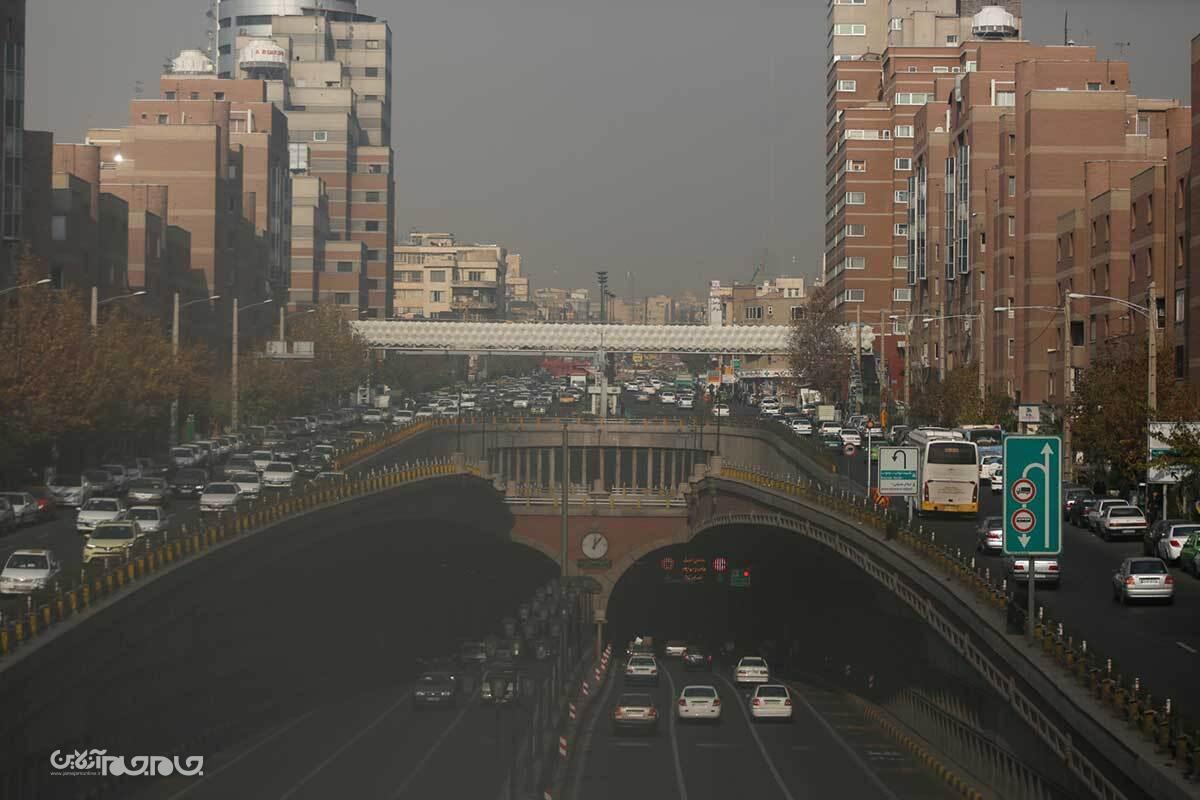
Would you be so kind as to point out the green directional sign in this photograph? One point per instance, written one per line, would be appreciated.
(1032, 495)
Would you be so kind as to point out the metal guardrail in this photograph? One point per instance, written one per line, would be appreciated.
(1124, 696)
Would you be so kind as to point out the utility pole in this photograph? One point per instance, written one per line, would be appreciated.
(282, 317)
(233, 376)
(858, 357)
(95, 307)
(885, 380)
(173, 439)
(602, 279)
(982, 353)
(1068, 389)
(908, 346)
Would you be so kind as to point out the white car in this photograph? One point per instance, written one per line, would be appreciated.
(403, 416)
(675, 648)
(830, 427)
(699, 702)
(97, 510)
(685, 401)
(24, 506)
(641, 669)
(631, 387)
(372, 415)
(222, 496)
(184, 457)
(851, 437)
(997, 482)
(771, 410)
(667, 398)
(425, 412)
(28, 570)
(989, 466)
(771, 701)
(152, 519)
(279, 474)
(520, 402)
(721, 410)
(751, 669)
(248, 483)
(1121, 521)
(262, 458)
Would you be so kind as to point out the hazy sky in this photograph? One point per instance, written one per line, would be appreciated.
(669, 139)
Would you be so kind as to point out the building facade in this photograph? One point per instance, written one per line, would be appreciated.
(439, 278)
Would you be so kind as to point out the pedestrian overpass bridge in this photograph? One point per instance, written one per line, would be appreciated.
(476, 338)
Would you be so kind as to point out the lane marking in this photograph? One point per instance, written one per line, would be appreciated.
(758, 741)
(261, 743)
(345, 746)
(670, 710)
(621, 743)
(585, 741)
(433, 748)
(1191, 650)
(716, 745)
(854, 756)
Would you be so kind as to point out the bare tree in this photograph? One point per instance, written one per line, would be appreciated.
(819, 354)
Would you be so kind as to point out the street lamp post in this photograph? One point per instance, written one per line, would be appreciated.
(233, 424)
(42, 282)
(97, 302)
(173, 438)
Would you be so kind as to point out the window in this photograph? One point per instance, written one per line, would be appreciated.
(1133, 215)
(168, 95)
(854, 262)
(1143, 125)
(901, 195)
(1092, 328)
(856, 166)
(372, 255)
(193, 95)
(901, 229)
(856, 295)
(856, 198)
(951, 38)
(375, 169)
(372, 197)
(162, 119)
(320, 136)
(218, 95)
(1012, 144)
(912, 98)
(1179, 253)
(897, 24)
(900, 262)
(371, 72)
(343, 44)
(1180, 305)
(904, 164)
(856, 230)
(254, 19)
(225, 49)
(1012, 225)
(1107, 228)
(372, 44)
(753, 312)
(940, 70)
(345, 266)
(371, 225)
(436, 296)
(849, 29)
(971, 66)
(847, 86)
(982, 243)
(1180, 363)
(1012, 347)
(902, 295)
(1071, 245)
(904, 131)
(58, 228)
(1006, 98)
(1093, 87)
(341, 298)
(437, 276)
(1059, 252)
(1149, 211)
(224, 22)
(982, 283)
(1012, 185)
(797, 312)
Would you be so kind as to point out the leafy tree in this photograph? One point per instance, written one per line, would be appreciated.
(819, 355)
(955, 401)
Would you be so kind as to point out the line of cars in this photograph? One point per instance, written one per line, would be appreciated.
(638, 711)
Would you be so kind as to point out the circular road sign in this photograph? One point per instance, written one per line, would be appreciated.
(1023, 520)
(848, 450)
(1023, 490)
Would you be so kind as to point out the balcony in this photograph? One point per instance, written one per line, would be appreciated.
(468, 284)
(472, 304)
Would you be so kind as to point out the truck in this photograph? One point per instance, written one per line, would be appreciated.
(684, 382)
(579, 381)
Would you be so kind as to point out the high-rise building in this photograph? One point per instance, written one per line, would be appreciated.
(1191, 244)
(12, 127)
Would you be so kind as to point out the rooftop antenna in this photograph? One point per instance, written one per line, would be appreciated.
(1066, 28)
(1121, 47)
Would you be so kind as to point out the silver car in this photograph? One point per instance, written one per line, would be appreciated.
(279, 474)
(1143, 578)
(148, 491)
(219, 497)
(70, 490)
(152, 519)
(8, 518)
(248, 483)
(991, 535)
(98, 510)
(1046, 570)
(24, 506)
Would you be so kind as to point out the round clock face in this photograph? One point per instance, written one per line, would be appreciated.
(595, 545)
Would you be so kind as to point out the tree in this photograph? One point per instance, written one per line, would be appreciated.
(955, 401)
(819, 355)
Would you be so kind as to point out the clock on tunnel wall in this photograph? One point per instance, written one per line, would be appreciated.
(594, 545)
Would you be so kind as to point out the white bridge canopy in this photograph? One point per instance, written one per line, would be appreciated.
(568, 339)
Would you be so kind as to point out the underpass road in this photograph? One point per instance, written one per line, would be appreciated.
(1157, 643)
(796, 760)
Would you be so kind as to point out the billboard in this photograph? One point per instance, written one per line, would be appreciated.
(1158, 443)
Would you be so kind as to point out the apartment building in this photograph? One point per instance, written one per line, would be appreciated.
(12, 129)
(1192, 213)
(440, 278)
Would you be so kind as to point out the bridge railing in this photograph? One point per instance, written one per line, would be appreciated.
(1119, 690)
(74, 594)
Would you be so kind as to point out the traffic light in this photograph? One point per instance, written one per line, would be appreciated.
(740, 578)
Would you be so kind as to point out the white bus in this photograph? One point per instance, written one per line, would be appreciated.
(947, 471)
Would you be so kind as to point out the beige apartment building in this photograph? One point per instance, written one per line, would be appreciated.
(439, 278)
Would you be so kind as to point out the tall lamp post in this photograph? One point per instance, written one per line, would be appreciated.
(173, 438)
(42, 282)
(233, 424)
(908, 346)
(97, 302)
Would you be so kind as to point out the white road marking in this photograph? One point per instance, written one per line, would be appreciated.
(1191, 650)
(674, 739)
(716, 745)
(434, 747)
(761, 747)
(630, 744)
(345, 746)
(266, 740)
(879, 784)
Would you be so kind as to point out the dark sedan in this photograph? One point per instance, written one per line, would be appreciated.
(697, 658)
(189, 482)
(435, 689)
(1080, 509)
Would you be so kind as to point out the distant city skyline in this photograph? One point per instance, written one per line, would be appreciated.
(677, 149)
